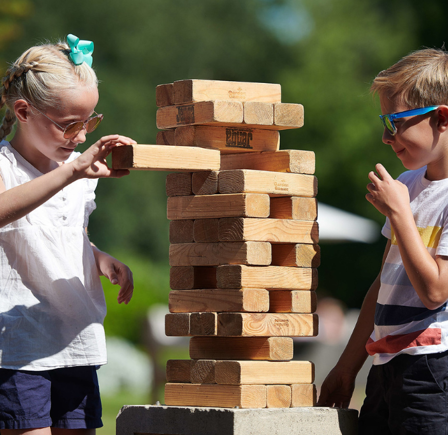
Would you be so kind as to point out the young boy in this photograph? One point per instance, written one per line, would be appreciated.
(403, 322)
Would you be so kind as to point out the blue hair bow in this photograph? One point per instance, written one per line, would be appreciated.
(81, 51)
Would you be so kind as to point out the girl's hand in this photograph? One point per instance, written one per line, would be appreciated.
(92, 163)
(387, 195)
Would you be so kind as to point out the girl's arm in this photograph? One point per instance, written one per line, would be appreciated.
(338, 386)
(21, 200)
(428, 276)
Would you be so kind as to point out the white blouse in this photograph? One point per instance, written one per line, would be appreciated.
(52, 303)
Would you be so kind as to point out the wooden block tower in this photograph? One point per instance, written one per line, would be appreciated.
(243, 243)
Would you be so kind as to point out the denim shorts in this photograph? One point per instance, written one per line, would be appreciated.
(407, 395)
(66, 398)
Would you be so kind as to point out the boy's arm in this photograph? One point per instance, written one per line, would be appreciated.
(338, 386)
(428, 276)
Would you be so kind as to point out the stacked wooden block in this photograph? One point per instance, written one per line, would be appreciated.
(243, 247)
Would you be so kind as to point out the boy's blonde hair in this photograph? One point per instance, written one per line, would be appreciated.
(417, 80)
(39, 76)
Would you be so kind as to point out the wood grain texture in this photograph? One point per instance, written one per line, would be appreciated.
(292, 301)
(203, 323)
(241, 348)
(286, 114)
(303, 395)
(182, 231)
(258, 113)
(178, 184)
(296, 255)
(178, 370)
(205, 183)
(192, 277)
(164, 95)
(206, 230)
(278, 396)
(203, 371)
(177, 325)
(304, 209)
(165, 137)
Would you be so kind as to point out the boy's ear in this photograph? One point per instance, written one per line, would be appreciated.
(22, 110)
(442, 118)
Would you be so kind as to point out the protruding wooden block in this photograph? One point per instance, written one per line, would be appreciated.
(181, 231)
(304, 209)
(251, 348)
(292, 301)
(213, 206)
(203, 371)
(178, 370)
(214, 254)
(273, 183)
(278, 396)
(177, 325)
(205, 183)
(303, 395)
(217, 113)
(258, 113)
(293, 255)
(203, 323)
(228, 139)
(250, 300)
(288, 115)
(206, 230)
(165, 158)
(165, 137)
(299, 162)
(165, 95)
(264, 372)
(178, 184)
(192, 277)
(222, 396)
(191, 91)
(267, 325)
(270, 230)
(269, 277)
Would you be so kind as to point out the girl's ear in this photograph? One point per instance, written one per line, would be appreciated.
(22, 110)
(442, 118)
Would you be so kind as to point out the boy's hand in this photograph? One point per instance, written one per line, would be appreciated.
(92, 162)
(387, 195)
(337, 389)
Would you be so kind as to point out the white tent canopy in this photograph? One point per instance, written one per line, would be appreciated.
(336, 225)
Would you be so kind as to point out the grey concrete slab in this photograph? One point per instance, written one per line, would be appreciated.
(179, 420)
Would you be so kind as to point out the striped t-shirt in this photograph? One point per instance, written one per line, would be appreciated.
(402, 323)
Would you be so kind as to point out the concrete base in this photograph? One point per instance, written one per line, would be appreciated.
(179, 420)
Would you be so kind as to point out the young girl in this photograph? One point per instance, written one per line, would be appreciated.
(51, 301)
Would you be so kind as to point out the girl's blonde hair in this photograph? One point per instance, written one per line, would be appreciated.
(417, 80)
(39, 76)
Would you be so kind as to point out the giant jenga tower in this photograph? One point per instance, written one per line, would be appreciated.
(243, 244)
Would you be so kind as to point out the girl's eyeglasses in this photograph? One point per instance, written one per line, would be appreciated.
(75, 127)
(388, 120)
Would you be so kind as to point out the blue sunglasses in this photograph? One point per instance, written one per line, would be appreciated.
(388, 120)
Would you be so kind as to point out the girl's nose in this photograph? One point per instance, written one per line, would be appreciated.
(80, 137)
(388, 138)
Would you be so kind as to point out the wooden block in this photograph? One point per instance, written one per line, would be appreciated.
(303, 395)
(304, 209)
(222, 396)
(211, 300)
(178, 370)
(300, 162)
(252, 348)
(205, 183)
(215, 113)
(278, 396)
(267, 325)
(178, 184)
(269, 277)
(273, 183)
(181, 231)
(213, 206)
(270, 230)
(203, 323)
(190, 277)
(288, 115)
(165, 137)
(165, 158)
(258, 113)
(203, 371)
(205, 230)
(165, 95)
(177, 325)
(292, 301)
(214, 254)
(228, 139)
(264, 372)
(191, 91)
(296, 255)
